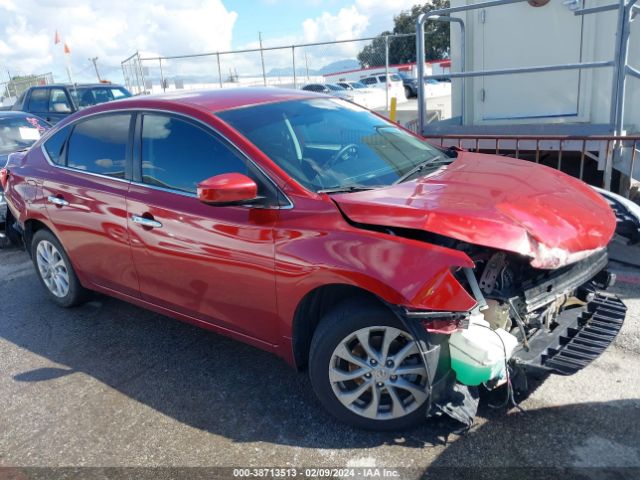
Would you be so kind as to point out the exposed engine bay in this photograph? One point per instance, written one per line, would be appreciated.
(555, 321)
(521, 299)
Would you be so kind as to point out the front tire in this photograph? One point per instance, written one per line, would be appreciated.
(55, 270)
(366, 369)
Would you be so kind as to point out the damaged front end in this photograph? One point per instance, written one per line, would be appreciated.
(527, 319)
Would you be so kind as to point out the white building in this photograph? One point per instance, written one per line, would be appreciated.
(521, 35)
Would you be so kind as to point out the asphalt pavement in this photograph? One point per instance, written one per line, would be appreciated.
(112, 385)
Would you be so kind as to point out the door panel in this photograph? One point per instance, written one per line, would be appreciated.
(86, 199)
(210, 262)
(213, 263)
(93, 227)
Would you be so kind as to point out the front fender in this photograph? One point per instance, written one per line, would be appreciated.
(400, 271)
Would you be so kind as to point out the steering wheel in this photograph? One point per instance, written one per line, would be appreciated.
(349, 150)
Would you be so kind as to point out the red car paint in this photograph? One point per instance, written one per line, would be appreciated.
(244, 272)
(492, 201)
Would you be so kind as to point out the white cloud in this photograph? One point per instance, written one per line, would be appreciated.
(113, 30)
(347, 23)
(109, 30)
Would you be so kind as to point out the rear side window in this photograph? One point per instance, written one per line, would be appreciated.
(39, 100)
(55, 145)
(178, 155)
(99, 145)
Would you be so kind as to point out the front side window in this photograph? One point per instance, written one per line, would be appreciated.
(369, 81)
(178, 155)
(327, 144)
(99, 145)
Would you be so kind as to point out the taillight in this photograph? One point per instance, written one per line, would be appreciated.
(4, 177)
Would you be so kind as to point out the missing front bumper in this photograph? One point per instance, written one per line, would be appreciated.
(579, 338)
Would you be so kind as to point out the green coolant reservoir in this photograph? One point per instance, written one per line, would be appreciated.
(478, 352)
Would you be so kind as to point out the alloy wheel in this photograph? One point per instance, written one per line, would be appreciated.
(377, 373)
(52, 268)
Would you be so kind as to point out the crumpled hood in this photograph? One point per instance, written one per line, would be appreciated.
(497, 202)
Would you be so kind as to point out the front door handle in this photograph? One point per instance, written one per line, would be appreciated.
(145, 222)
(59, 201)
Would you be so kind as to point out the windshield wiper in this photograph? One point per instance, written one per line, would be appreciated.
(422, 165)
(348, 188)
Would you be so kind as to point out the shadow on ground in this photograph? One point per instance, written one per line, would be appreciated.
(227, 388)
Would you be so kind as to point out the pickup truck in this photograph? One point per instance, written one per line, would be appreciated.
(55, 102)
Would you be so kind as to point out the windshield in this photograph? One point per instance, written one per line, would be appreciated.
(87, 96)
(18, 133)
(335, 88)
(332, 144)
(358, 85)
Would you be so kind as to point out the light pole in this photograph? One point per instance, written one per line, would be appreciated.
(94, 60)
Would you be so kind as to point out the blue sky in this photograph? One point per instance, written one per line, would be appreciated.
(114, 30)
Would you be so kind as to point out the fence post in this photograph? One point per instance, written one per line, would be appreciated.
(264, 73)
(293, 57)
(161, 75)
(386, 66)
(219, 69)
(420, 64)
(124, 77)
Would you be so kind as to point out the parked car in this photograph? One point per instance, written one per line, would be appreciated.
(329, 89)
(55, 102)
(368, 97)
(395, 85)
(18, 131)
(410, 84)
(400, 274)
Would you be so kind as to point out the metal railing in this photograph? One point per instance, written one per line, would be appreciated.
(538, 147)
(626, 12)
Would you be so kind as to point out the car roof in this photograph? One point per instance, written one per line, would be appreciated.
(79, 85)
(212, 100)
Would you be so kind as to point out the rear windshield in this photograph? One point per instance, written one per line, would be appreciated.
(18, 133)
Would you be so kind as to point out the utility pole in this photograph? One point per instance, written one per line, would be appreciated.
(94, 60)
(264, 74)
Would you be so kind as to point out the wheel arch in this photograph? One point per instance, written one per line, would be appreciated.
(313, 306)
(31, 226)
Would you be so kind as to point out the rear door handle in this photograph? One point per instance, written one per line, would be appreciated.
(145, 222)
(61, 202)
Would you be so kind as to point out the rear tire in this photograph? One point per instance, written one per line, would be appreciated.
(382, 384)
(55, 271)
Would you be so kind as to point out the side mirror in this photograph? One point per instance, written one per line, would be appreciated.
(228, 189)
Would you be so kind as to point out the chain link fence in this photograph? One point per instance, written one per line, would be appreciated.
(11, 87)
(296, 66)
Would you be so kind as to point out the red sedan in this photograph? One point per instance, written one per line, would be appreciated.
(402, 276)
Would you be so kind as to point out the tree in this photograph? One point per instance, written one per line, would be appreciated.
(403, 49)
